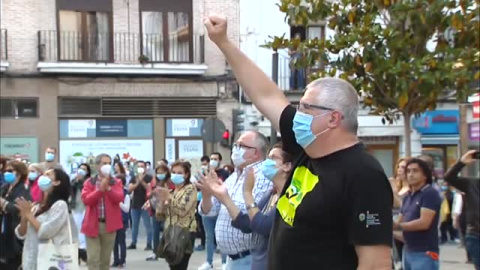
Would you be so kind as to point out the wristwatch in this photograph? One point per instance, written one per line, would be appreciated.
(253, 205)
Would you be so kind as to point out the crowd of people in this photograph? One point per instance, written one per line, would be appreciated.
(319, 200)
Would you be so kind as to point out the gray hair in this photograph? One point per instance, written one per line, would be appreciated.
(98, 158)
(341, 96)
(261, 142)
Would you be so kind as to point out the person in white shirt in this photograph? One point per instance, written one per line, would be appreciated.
(248, 152)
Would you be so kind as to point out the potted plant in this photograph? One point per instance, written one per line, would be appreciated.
(143, 59)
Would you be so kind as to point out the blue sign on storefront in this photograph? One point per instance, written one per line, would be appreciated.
(437, 122)
(112, 128)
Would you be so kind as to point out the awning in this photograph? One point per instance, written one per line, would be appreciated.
(436, 140)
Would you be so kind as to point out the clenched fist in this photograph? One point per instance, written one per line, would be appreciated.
(217, 28)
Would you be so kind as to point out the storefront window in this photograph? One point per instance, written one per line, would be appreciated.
(123, 139)
(184, 141)
(443, 157)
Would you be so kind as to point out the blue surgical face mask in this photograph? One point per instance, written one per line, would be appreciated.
(178, 179)
(81, 172)
(161, 176)
(302, 127)
(10, 177)
(269, 169)
(32, 176)
(49, 157)
(44, 182)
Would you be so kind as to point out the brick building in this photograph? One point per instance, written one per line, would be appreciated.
(134, 77)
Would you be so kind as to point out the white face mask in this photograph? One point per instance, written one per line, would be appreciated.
(106, 169)
(237, 156)
(214, 164)
(140, 170)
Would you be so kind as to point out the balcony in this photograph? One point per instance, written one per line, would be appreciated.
(3, 50)
(121, 53)
(290, 79)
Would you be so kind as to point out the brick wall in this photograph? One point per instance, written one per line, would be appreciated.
(24, 18)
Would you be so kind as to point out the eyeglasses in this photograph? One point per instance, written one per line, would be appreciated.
(305, 106)
(239, 145)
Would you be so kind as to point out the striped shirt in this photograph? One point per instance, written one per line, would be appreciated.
(230, 240)
(101, 204)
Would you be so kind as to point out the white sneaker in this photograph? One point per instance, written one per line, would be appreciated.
(206, 266)
(224, 266)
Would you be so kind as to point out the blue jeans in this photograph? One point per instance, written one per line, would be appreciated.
(244, 263)
(157, 228)
(120, 248)
(209, 227)
(418, 261)
(473, 248)
(136, 215)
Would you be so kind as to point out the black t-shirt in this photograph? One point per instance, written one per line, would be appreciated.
(140, 193)
(332, 204)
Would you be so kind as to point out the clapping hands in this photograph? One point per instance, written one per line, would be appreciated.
(211, 185)
(24, 206)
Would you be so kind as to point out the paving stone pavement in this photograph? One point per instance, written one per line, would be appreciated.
(452, 257)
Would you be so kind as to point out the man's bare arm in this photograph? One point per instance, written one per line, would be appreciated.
(263, 92)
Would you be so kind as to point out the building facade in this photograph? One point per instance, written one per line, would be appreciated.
(439, 138)
(135, 78)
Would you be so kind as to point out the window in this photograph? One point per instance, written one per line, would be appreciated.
(85, 36)
(19, 108)
(166, 31)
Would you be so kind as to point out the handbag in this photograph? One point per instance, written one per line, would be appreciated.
(175, 243)
(61, 257)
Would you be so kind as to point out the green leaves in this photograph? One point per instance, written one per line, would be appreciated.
(401, 55)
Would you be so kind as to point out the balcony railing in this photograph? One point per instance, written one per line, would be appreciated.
(121, 48)
(3, 45)
(289, 77)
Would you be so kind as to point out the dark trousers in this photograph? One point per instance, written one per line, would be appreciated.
(157, 229)
(473, 248)
(200, 229)
(13, 263)
(182, 265)
(399, 249)
(120, 248)
(446, 228)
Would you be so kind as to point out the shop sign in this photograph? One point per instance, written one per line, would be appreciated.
(190, 148)
(475, 100)
(79, 128)
(112, 128)
(170, 150)
(437, 122)
(474, 132)
(181, 127)
(24, 148)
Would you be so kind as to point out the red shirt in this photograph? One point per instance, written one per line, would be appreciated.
(36, 192)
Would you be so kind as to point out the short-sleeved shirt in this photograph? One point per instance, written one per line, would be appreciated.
(328, 206)
(421, 241)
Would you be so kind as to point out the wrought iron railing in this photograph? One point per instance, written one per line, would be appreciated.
(69, 46)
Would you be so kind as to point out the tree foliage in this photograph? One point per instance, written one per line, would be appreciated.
(401, 55)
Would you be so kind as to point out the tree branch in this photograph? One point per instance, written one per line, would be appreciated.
(384, 94)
